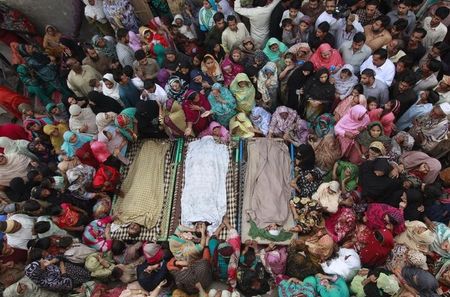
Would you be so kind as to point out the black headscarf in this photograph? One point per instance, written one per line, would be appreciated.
(147, 116)
(296, 81)
(18, 191)
(377, 188)
(103, 103)
(414, 199)
(317, 90)
(306, 157)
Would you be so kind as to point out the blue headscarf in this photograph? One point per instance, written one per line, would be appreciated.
(71, 148)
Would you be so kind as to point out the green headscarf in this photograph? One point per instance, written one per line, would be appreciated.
(353, 182)
(365, 139)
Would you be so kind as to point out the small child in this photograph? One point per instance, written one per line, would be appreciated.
(96, 85)
(303, 29)
(289, 36)
(293, 13)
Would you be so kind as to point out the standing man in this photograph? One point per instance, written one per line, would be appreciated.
(374, 87)
(436, 30)
(125, 53)
(259, 19)
(80, 76)
(355, 52)
(404, 11)
(275, 18)
(234, 34)
(327, 15)
(215, 34)
(368, 15)
(383, 67)
(376, 34)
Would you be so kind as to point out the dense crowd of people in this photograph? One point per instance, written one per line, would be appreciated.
(360, 89)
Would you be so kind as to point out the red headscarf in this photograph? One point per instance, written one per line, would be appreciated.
(319, 62)
(376, 252)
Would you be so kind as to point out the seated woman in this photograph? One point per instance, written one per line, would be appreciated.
(286, 124)
(267, 84)
(172, 118)
(346, 174)
(57, 113)
(326, 57)
(274, 49)
(244, 93)
(114, 140)
(97, 234)
(374, 178)
(327, 150)
(373, 132)
(56, 134)
(344, 81)
(147, 117)
(176, 88)
(100, 265)
(306, 211)
(217, 131)
(345, 264)
(153, 271)
(348, 128)
(318, 95)
(255, 64)
(223, 104)
(101, 103)
(241, 126)
(52, 43)
(261, 119)
(383, 216)
(355, 97)
(197, 109)
(199, 82)
(318, 285)
(430, 129)
(211, 68)
(420, 165)
(43, 151)
(286, 68)
(82, 120)
(417, 237)
(418, 282)
(127, 124)
(386, 116)
(328, 195)
(232, 66)
(375, 247)
(72, 142)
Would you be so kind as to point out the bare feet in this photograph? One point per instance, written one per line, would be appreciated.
(296, 229)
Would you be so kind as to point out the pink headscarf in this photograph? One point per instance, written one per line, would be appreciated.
(235, 69)
(334, 60)
(224, 134)
(276, 259)
(100, 150)
(351, 122)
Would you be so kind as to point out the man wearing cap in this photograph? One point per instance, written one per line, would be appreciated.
(430, 129)
(443, 89)
(18, 230)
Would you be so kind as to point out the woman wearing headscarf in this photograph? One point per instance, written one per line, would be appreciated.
(286, 124)
(296, 81)
(100, 103)
(43, 151)
(267, 84)
(211, 68)
(232, 66)
(82, 120)
(11, 100)
(255, 63)
(104, 45)
(344, 81)
(286, 67)
(176, 88)
(386, 116)
(328, 195)
(302, 52)
(327, 150)
(383, 216)
(217, 131)
(57, 112)
(421, 165)
(127, 124)
(373, 132)
(418, 282)
(25, 287)
(441, 243)
(196, 107)
(56, 132)
(341, 225)
(327, 57)
(94, 14)
(172, 118)
(356, 97)
(19, 146)
(35, 128)
(241, 126)
(261, 119)
(147, 116)
(248, 48)
(199, 81)
(104, 119)
(205, 15)
(47, 275)
(375, 181)
(318, 95)
(13, 165)
(323, 125)
(110, 87)
(223, 104)
(274, 49)
(348, 128)
(416, 237)
(114, 140)
(73, 141)
(120, 14)
(51, 43)
(244, 93)
(346, 174)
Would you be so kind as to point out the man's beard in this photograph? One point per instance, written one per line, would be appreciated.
(96, 58)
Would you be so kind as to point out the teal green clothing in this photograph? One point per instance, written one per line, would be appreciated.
(125, 131)
(337, 289)
(220, 262)
(290, 289)
(222, 112)
(354, 172)
(274, 56)
(255, 232)
(34, 86)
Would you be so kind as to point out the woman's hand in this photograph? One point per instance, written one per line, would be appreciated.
(206, 114)
(188, 131)
(195, 107)
(349, 135)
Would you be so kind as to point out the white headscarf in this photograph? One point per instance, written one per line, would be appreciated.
(102, 121)
(95, 11)
(16, 166)
(346, 265)
(114, 92)
(327, 200)
(19, 146)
